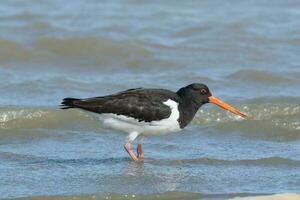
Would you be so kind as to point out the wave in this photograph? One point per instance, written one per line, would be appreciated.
(262, 76)
(38, 26)
(89, 46)
(269, 161)
(44, 160)
(283, 196)
(192, 31)
(8, 156)
(45, 118)
(12, 51)
(278, 117)
(276, 130)
(96, 50)
(172, 195)
(274, 116)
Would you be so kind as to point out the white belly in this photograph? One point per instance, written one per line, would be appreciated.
(129, 124)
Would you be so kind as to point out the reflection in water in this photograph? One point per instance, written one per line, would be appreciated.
(159, 178)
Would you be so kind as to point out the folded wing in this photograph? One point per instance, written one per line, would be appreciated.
(142, 104)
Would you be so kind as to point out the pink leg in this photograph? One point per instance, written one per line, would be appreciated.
(127, 147)
(139, 151)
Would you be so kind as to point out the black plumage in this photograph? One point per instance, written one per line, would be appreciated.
(146, 104)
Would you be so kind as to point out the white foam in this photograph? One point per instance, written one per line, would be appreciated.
(283, 196)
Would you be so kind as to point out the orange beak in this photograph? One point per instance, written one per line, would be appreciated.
(225, 106)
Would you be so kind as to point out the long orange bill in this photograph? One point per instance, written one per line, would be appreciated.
(225, 106)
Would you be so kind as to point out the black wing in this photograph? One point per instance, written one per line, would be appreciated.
(142, 104)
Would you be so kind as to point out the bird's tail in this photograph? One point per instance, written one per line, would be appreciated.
(68, 103)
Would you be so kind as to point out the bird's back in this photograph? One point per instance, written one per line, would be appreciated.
(142, 104)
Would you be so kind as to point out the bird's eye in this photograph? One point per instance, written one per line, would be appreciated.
(203, 91)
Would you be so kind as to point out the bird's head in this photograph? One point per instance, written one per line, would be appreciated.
(199, 94)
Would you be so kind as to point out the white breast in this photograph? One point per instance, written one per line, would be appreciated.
(129, 124)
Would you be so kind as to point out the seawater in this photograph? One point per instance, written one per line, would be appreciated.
(246, 52)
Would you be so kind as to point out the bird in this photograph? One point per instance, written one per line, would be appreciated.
(148, 111)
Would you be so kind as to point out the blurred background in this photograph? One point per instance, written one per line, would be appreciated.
(247, 52)
(50, 49)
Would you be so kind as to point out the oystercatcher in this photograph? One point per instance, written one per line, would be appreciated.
(145, 112)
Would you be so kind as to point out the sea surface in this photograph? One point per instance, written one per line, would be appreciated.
(247, 52)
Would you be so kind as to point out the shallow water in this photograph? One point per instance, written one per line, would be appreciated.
(246, 52)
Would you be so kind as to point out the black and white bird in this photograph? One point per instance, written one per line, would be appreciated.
(142, 112)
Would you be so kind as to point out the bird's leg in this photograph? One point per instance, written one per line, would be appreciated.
(127, 146)
(139, 151)
(139, 147)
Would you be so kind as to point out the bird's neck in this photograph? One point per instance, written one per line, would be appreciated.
(187, 110)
